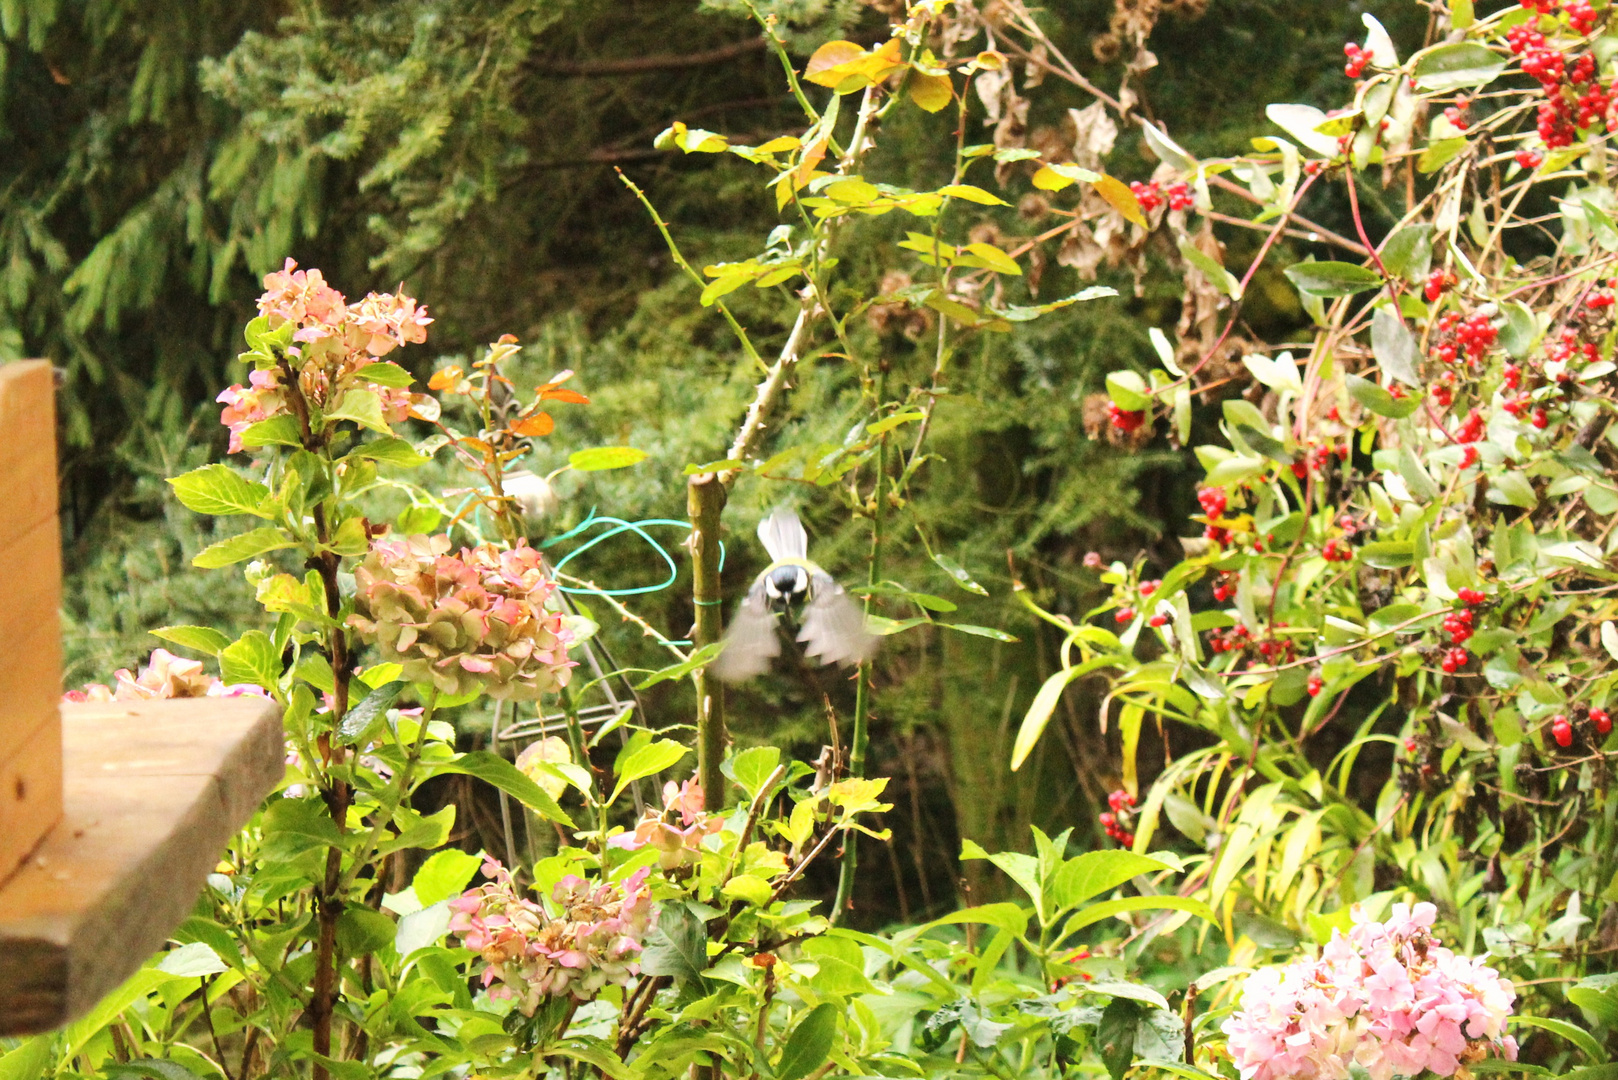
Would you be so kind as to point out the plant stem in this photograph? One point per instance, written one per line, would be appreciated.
(705, 502)
(862, 693)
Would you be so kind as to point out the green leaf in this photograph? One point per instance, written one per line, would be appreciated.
(283, 430)
(247, 545)
(144, 1069)
(1521, 331)
(219, 491)
(202, 639)
(1394, 347)
(192, 961)
(700, 658)
(28, 1061)
(1388, 554)
(810, 1043)
(1128, 390)
(390, 451)
(649, 760)
(1512, 489)
(1096, 872)
(979, 631)
(496, 770)
(601, 458)
(1451, 67)
(444, 874)
(385, 373)
(1039, 713)
(1328, 279)
(361, 931)
(363, 718)
(252, 659)
(1409, 252)
(1440, 152)
(1005, 916)
(959, 575)
(1167, 150)
(1378, 400)
(678, 946)
(1106, 909)
(361, 407)
(1245, 419)
(1217, 275)
(1571, 1032)
(753, 767)
(1115, 1035)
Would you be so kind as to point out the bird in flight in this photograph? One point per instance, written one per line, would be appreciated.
(831, 626)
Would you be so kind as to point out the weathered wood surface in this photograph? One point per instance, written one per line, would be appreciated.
(153, 792)
(30, 594)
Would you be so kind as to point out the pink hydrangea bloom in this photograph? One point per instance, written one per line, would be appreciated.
(587, 938)
(333, 341)
(478, 620)
(1387, 997)
(164, 676)
(677, 830)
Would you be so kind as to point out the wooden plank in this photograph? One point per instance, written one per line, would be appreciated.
(30, 792)
(27, 446)
(154, 790)
(30, 596)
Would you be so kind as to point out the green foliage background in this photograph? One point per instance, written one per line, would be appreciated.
(158, 156)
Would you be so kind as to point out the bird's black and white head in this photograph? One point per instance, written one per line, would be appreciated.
(785, 586)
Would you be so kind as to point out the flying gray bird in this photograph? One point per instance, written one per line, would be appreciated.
(833, 627)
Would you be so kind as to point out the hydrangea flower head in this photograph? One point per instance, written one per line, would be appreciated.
(475, 621)
(1386, 996)
(677, 830)
(333, 342)
(587, 938)
(164, 676)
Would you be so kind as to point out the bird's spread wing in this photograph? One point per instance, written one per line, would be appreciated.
(751, 642)
(783, 537)
(833, 625)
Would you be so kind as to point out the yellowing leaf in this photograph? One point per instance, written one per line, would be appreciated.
(539, 424)
(995, 259)
(779, 144)
(829, 57)
(971, 194)
(852, 190)
(1117, 193)
(931, 92)
(806, 165)
(1048, 179)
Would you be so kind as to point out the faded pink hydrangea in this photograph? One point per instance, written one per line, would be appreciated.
(1387, 997)
(164, 676)
(677, 830)
(588, 937)
(332, 343)
(480, 620)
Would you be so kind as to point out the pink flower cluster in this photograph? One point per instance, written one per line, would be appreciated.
(588, 939)
(333, 340)
(477, 621)
(164, 676)
(677, 830)
(1386, 997)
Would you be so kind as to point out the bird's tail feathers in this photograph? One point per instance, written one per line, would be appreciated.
(783, 537)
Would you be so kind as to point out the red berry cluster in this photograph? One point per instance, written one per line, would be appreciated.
(1458, 625)
(1470, 597)
(1278, 651)
(1151, 196)
(1454, 660)
(1213, 501)
(1456, 115)
(1125, 419)
(1337, 550)
(1232, 639)
(1471, 429)
(1316, 458)
(1574, 99)
(1561, 730)
(1116, 822)
(1456, 335)
(1357, 59)
(1530, 159)
(1438, 282)
(1568, 348)
(1225, 589)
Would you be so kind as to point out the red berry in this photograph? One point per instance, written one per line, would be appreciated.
(1125, 419)
(1316, 684)
(1539, 419)
(1213, 501)
(1108, 821)
(1410, 745)
(1561, 731)
(1147, 588)
(1158, 620)
(1124, 614)
(1530, 159)
(1470, 597)
(1454, 660)
(1601, 720)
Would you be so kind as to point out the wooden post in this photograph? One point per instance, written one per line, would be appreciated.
(30, 594)
(705, 502)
